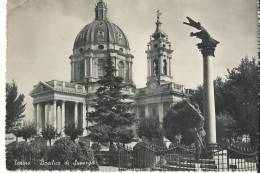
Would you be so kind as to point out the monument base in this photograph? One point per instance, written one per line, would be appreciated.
(212, 147)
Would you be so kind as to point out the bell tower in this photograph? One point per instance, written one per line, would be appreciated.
(158, 57)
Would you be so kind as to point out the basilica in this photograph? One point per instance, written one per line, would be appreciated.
(59, 103)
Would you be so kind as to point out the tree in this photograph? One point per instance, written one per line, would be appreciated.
(237, 97)
(226, 126)
(14, 106)
(150, 128)
(241, 94)
(27, 131)
(72, 131)
(50, 133)
(111, 117)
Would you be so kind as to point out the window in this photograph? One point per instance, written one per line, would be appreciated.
(155, 67)
(81, 69)
(100, 67)
(164, 67)
(100, 36)
(101, 46)
(121, 69)
(81, 50)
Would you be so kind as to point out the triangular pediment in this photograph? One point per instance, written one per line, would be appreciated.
(41, 87)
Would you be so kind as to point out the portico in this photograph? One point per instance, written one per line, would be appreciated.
(58, 104)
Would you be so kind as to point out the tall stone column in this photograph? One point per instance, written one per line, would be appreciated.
(58, 119)
(90, 66)
(35, 114)
(54, 114)
(46, 114)
(38, 118)
(170, 71)
(131, 71)
(207, 47)
(72, 71)
(160, 107)
(84, 121)
(76, 114)
(146, 110)
(63, 120)
(209, 101)
(85, 67)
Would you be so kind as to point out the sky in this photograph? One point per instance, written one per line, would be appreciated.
(41, 34)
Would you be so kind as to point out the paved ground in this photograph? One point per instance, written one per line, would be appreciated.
(108, 168)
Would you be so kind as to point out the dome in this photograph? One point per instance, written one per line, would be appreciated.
(101, 31)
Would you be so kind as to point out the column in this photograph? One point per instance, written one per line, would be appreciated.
(131, 71)
(84, 121)
(146, 110)
(54, 114)
(35, 114)
(209, 101)
(72, 71)
(160, 107)
(90, 66)
(76, 114)
(170, 72)
(46, 112)
(86, 67)
(38, 118)
(62, 117)
(58, 119)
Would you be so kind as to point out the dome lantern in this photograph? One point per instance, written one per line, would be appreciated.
(101, 10)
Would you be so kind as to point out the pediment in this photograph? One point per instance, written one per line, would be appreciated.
(41, 87)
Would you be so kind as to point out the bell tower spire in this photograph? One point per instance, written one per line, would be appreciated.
(158, 22)
(101, 10)
(159, 56)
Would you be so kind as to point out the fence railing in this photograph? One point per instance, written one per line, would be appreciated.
(180, 158)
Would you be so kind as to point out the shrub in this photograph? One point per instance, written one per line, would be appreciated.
(10, 152)
(50, 133)
(95, 146)
(72, 131)
(26, 153)
(150, 128)
(67, 152)
(27, 131)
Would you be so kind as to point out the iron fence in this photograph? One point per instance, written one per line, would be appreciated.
(180, 158)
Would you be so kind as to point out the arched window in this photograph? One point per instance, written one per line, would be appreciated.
(100, 36)
(121, 69)
(155, 67)
(164, 67)
(82, 69)
(100, 67)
